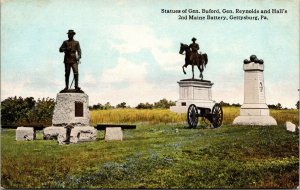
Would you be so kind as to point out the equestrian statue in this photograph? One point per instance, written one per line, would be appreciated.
(192, 57)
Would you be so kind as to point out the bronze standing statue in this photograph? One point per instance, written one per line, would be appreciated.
(72, 51)
(192, 57)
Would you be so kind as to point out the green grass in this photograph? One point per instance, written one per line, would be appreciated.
(157, 156)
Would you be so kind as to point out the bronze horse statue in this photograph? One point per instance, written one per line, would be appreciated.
(200, 61)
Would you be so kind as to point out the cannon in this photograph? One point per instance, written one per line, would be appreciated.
(214, 115)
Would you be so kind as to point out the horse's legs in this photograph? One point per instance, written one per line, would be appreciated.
(200, 67)
(193, 69)
(183, 69)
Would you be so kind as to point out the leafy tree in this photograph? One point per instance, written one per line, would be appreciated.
(144, 106)
(16, 109)
(19, 111)
(164, 103)
(121, 105)
(272, 106)
(96, 107)
(44, 110)
(278, 106)
(107, 106)
(297, 105)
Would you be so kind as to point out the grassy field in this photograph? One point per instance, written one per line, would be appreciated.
(160, 153)
(158, 116)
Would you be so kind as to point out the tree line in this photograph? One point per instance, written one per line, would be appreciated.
(25, 111)
(161, 104)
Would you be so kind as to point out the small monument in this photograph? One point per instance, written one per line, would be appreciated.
(71, 119)
(193, 91)
(254, 111)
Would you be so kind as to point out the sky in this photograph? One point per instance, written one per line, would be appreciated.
(130, 49)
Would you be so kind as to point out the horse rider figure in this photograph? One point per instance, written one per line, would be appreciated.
(194, 52)
(71, 60)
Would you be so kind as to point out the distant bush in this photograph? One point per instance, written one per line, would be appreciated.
(22, 111)
(164, 104)
(276, 107)
(161, 104)
(144, 106)
(99, 106)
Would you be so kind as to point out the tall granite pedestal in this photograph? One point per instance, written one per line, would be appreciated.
(71, 119)
(254, 111)
(193, 91)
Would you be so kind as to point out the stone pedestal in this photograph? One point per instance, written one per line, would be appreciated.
(71, 119)
(254, 111)
(193, 91)
(71, 109)
(113, 133)
(25, 134)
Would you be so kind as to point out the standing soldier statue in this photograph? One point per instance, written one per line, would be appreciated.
(71, 59)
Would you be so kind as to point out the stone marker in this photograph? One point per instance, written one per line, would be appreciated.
(290, 126)
(25, 134)
(71, 108)
(113, 133)
(193, 91)
(51, 133)
(71, 119)
(82, 134)
(254, 111)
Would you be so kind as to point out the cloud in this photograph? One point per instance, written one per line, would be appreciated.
(125, 71)
(127, 82)
(135, 38)
(168, 60)
(11, 88)
(282, 92)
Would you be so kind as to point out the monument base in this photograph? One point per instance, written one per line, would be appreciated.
(254, 114)
(263, 120)
(77, 134)
(71, 109)
(193, 91)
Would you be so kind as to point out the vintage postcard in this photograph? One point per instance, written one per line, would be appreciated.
(149, 94)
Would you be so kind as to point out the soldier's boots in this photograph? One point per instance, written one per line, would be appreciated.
(76, 82)
(67, 83)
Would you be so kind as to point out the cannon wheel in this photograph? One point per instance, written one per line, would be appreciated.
(192, 116)
(217, 113)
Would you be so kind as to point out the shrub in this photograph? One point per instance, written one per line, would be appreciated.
(20, 111)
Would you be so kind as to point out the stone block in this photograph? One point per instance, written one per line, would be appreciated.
(290, 126)
(25, 134)
(57, 133)
(71, 109)
(263, 120)
(113, 133)
(78, 134)
(83, 134)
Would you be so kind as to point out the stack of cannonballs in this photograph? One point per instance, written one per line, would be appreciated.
(254, 59)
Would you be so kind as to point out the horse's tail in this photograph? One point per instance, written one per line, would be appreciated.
(204, 55)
